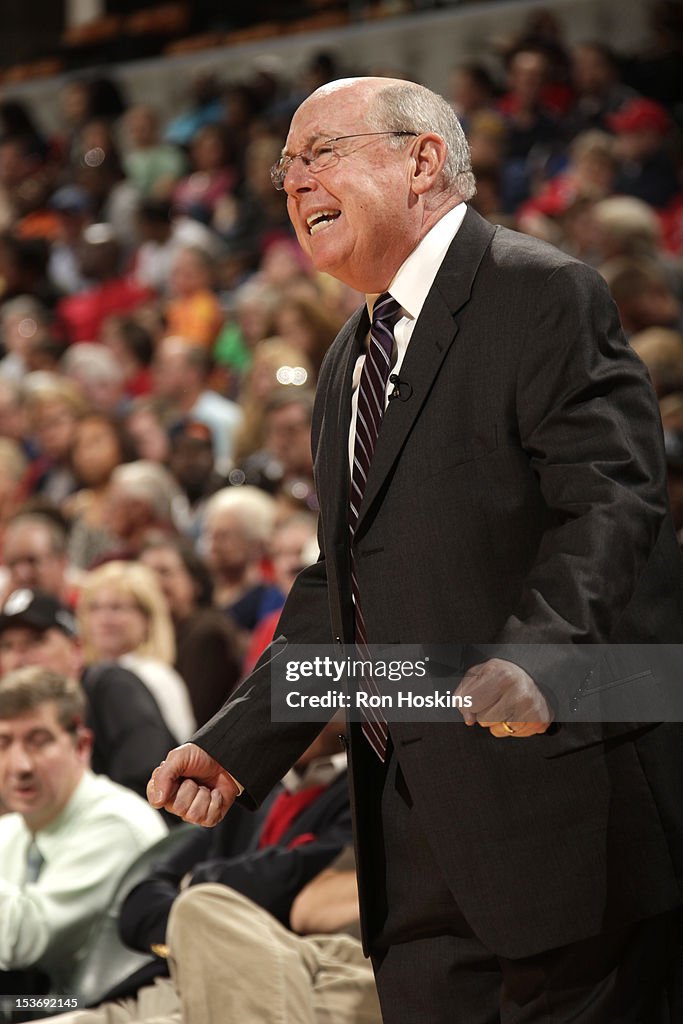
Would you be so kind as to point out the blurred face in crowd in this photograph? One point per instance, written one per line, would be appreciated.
(189, 274)
(208, 149)
(114, 622)
(32, 562)
(176, 584)
(367, 218)
(21, 646)
(41, 763)
(148, 435)
(527, 76)
(170, 370)
(191, 463)
(592, 72)
(288, 437)
(96, 451)
(141, 126)
(54, 426)
(287, 551)
(228, 546)
(12, 413)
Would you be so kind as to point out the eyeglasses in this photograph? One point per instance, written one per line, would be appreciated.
(321, 156)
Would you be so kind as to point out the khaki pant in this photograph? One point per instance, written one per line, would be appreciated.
(232, 963)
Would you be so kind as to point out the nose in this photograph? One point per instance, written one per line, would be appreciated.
(298, 177)
(19, 760)
(23, 572)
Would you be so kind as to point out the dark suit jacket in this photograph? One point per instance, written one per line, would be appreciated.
(517, 496)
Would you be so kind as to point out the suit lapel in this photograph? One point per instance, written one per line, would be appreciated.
(434, 334)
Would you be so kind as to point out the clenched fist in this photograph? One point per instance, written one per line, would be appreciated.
(191, 784)
(505, 700)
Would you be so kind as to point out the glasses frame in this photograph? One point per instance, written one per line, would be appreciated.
(280, 170)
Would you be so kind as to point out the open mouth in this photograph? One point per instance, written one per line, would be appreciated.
(322, 219)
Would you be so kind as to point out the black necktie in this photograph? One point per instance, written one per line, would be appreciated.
(371, 392)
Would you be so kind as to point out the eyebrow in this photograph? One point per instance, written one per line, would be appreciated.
(325, 136)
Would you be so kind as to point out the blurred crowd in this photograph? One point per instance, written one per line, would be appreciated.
(162, 333)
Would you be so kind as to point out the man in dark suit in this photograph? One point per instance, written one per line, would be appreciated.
(520, 869)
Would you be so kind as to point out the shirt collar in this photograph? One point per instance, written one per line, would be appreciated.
(414, 278)
(322, 771)
(46, 838)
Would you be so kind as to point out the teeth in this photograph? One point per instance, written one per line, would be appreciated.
(321, 219)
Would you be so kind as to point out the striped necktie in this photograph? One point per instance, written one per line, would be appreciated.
(371, 392)
(34, 862)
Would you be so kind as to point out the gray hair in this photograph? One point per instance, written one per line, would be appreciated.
(409, 107)
(149, 482)
(93, 362)
(253, 507)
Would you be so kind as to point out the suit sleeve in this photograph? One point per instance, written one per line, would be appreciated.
(589, 424)
(242, 736)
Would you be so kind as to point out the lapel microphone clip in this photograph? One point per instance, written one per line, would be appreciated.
(402, 389)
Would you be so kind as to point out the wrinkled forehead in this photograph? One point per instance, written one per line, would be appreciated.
(327, 114)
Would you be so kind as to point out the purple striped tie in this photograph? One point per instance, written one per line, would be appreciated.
(371, 392)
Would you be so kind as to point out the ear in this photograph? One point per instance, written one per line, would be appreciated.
(429, 156)
(84, 743)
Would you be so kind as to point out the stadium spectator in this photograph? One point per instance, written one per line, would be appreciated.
(647, 170)
(69, 837)
(152, 166)
(306, 324)
(275, 366)
(238, 528)
(661, 349)
(285, 460)
(138, 504)
(132, 346)
(99, 447)
(212, 175)
(643, 295)
(72, 207)
(82, 315)
(123, 617)
(192, 464)
(13, 465)
(181, 375)
(145, 424)
(163, 232)
(127, 727)
(192, 310)
(472, 91)
(261, 859)
(22, 321)
(34, 556)
(326, 977)
(600, 91)
(589, 174)
(294, 546)
(207, 647)
(53, 405)
(98, 374)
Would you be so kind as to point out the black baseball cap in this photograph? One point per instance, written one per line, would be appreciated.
(39, 611)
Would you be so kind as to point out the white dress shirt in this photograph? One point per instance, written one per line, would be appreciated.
(410, 287)
(85, 852)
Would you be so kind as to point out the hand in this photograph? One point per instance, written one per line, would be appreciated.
(191, 784)
(502, 692)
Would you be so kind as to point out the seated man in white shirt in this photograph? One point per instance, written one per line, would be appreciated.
(70, 835)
